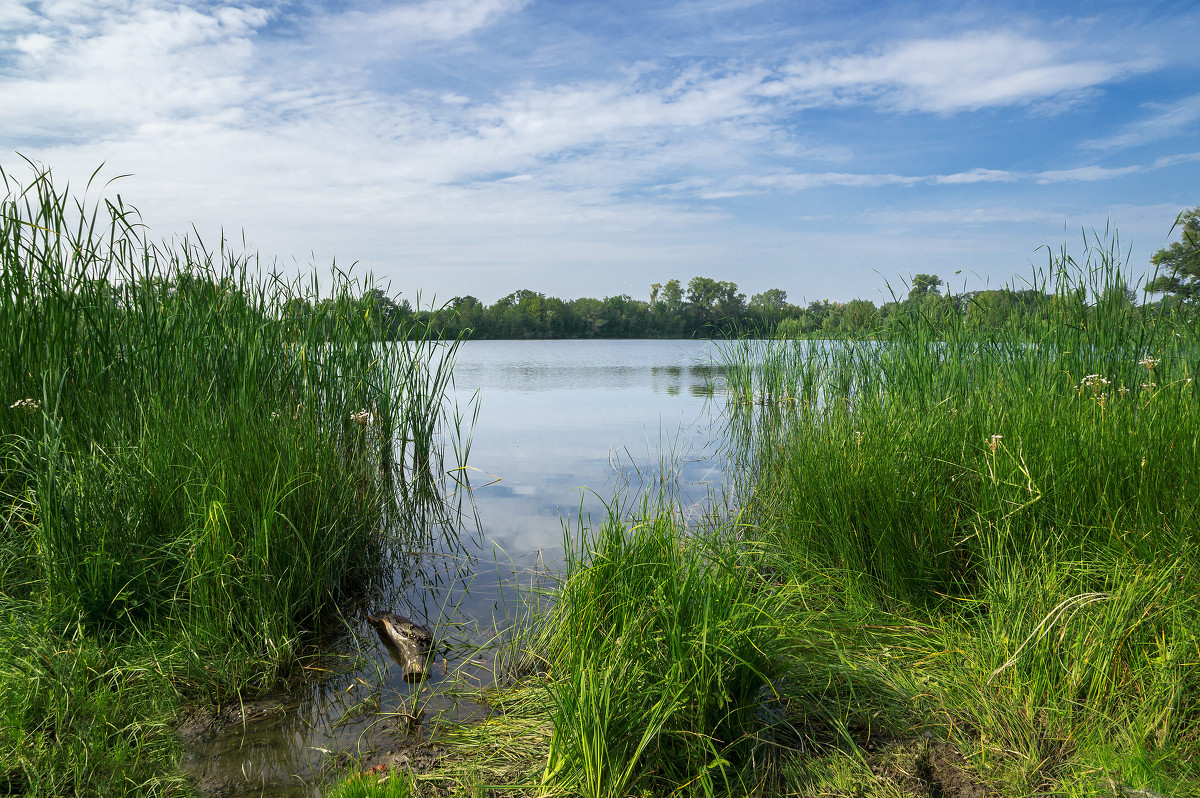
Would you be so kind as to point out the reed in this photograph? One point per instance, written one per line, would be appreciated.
(1022, 493)
(196, 454)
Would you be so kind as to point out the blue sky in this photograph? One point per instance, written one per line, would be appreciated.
(478, 147)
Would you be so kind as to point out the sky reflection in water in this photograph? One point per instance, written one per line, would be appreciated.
(557, 417)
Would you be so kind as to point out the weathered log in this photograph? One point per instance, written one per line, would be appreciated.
(408, 642)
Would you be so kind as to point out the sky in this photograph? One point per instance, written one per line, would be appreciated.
(478, 147)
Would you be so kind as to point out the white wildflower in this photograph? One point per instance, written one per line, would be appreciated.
(26, 406)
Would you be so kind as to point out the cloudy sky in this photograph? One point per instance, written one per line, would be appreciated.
(577, 148)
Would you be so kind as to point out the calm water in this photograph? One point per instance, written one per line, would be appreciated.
(563, 428)
(557, 417)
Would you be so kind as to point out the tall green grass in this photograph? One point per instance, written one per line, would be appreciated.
(1028, 488)
(659, 647)
(197, 454)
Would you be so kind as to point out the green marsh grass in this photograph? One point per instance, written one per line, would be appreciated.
(1025, 489)
(196, 460)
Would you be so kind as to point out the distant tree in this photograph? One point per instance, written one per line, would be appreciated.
(590, 314)
(768, 309)
(924, 284)
(859, 315)
(773, 299)
(813, 317)
(790, 328)
(522, 314)
(715, 302)
(1178, 266)
(702, 293)
(672, 297)
(667, 309)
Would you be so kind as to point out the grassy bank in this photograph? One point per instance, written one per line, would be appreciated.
(961, 564)
(192, 478)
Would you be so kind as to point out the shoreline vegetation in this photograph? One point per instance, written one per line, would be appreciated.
(957, 559)
(192, 484)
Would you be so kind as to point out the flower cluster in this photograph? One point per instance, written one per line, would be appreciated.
(362, 417)
(26, 406)
(1094, 382)
(994, 443)
(1150, 363)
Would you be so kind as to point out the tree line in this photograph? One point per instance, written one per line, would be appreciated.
(709, 308)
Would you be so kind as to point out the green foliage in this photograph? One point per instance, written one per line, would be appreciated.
(1177, 267)
(924, 284)
(1017, 496)
(713, 308)
(660, 647)
(188, 453)
(368, 785)
(77, 718)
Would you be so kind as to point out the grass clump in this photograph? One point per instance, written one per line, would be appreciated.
(648, 676)
(195, 463)
(368, 785)
(661, 645)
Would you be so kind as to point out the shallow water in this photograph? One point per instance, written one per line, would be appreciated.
(564, 429)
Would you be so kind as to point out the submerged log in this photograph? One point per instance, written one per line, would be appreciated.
(408, 642)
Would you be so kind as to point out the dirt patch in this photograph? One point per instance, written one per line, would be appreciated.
(416, 759)
(927, 769)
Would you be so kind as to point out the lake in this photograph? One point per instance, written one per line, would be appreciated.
(563, 428)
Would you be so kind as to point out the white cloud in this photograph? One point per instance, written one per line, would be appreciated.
(800, 182)
(1086, 174)
(999, 214)
(1175, 160)
(947, 75)
(94, 69)
(1165, 121)
(378, 33)
(978, 175)
(34, 44)
(803, 181)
